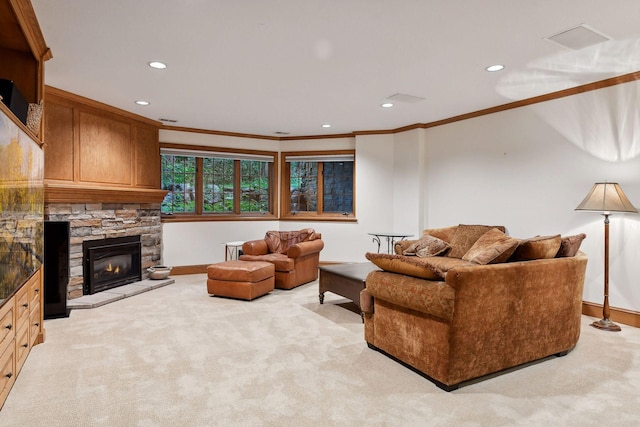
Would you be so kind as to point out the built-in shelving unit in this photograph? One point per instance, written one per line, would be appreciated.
(23, 52)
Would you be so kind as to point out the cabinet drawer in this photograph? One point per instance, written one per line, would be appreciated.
(22, 306)
(34, 322)
(22, 346)
(7, 372)
(7, 324)
(35, 288)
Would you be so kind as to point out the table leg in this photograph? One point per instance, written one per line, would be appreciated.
(376, 239)
(389, 244)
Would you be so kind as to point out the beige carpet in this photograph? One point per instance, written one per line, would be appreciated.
(178, 357)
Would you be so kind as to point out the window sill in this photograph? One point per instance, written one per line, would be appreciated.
(334, 218)
(216, 217)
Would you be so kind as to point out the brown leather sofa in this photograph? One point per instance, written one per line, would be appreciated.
(295, 255)
(454, 320)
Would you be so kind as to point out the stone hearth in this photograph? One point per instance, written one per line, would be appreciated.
(92, 221)
(115, 294)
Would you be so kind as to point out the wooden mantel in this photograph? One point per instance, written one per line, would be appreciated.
(64, 193)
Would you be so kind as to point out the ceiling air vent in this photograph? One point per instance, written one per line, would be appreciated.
(168, 120)
(578, 37)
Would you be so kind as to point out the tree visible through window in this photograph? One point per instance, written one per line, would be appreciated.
(254, 186)
(218, 184)
(320, 184)
(179, 178)
(304, 186)
(207, 184)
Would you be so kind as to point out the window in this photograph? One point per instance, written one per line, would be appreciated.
(318, 184)
(216, 183)
(218, 192)
(179, 177)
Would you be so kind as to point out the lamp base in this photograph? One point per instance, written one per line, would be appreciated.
(606, 325)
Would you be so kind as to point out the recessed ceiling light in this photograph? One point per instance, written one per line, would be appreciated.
(157, 64)
(326, 125)
(387, 105)
(496, 67)
(143, 102)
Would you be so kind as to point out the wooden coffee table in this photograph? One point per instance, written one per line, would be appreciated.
(346, 280)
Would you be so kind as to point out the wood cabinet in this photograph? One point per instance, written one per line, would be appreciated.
(96, 153)
(7, 351)
(20, 329)
(22, 55)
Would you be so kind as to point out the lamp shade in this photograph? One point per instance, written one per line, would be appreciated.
(606, 197)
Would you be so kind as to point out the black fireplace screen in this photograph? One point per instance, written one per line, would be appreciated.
(109, 263)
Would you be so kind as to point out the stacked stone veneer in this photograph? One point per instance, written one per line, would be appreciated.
(93, 221)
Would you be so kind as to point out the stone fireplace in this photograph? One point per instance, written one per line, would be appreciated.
(92, 222)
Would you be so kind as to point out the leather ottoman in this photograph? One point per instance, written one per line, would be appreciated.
(240, 279)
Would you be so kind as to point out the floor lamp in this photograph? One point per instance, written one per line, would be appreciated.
(606, 197)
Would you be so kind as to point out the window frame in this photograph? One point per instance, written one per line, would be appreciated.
(285, 186)
(200, 152)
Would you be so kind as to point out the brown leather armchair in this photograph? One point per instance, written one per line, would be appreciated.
(295, 255)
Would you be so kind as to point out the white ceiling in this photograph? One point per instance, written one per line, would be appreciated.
(266, 66)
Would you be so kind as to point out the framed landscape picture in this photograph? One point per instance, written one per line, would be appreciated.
(21, 206)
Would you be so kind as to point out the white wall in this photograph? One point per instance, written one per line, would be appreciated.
(526, 169)
(517, 169)
(200, 243)
(196, 243)
(409, 182)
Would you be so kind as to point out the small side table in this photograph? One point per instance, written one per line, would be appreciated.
(391, 238)
(232, 250)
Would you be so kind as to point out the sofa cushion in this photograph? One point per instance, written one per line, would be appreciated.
(426, 246)
(280, 261)
(569, 245)
(465, 236)
(442, 264)
(444, 233)
(539, 247)
(491, 248)
(409, 266)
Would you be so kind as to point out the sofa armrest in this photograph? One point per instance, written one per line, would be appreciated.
(402, 245)
(431, 297)
(305, 248)
(366, 301)
(255, 247)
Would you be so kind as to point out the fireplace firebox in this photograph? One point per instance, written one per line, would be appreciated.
(112, 262)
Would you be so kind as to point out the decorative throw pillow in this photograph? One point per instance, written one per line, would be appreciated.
(279, 242)
(491, 248)
(426, 246)
(465, 236)
(400, 246)
(410, 266)
(569, 245)
(539, 247)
